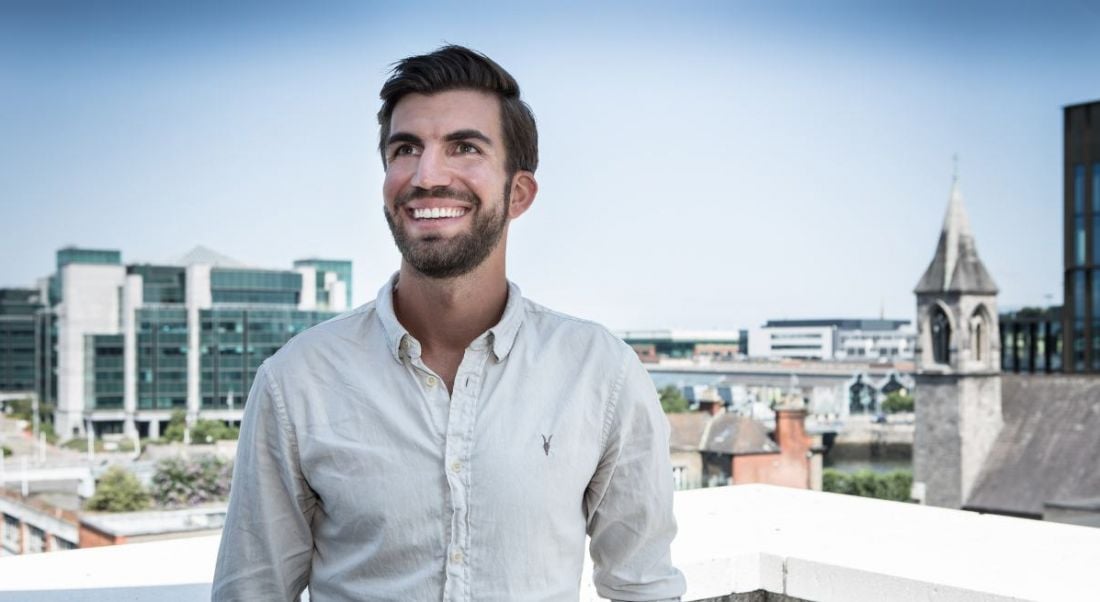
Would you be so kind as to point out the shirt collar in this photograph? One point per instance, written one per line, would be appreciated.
(502, 336)
(383, 305)
(504, 333)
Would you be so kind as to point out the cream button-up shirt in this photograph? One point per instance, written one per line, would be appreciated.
(360, 476)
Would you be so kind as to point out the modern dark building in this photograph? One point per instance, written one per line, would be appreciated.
(120, 347)
(19, 310)
(1031, 340)
(1081, 250)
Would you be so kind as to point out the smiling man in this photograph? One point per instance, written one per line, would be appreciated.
(451, 440)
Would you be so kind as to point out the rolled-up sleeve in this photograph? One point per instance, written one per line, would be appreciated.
(629, 501)
(267, 545)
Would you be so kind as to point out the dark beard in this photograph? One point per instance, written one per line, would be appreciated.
(436, 257)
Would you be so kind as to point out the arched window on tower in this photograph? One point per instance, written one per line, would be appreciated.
(979, 339)
(979, 335)
(941, 336)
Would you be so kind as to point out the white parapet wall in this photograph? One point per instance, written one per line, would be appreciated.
(745, 538)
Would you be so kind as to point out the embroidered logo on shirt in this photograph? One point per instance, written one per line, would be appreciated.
(546, 443)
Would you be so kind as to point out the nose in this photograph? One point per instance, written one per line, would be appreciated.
(431, 170)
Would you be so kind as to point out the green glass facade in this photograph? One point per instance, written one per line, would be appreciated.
(103, 372)
(46, 356)
(234, 342)
(161, 284)
(161, 358)
(18, 336)
(253, 287)
(94, 256)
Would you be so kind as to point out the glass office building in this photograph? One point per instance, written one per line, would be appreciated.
(19, 322)
(1081, 252)
(121, 347)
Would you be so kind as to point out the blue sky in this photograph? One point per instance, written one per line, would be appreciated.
(703, 165)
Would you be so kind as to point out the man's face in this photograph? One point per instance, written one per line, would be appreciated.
(446, 192)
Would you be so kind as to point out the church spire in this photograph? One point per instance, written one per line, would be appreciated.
(956, 266)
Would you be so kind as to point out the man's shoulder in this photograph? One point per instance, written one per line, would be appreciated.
(555, 326)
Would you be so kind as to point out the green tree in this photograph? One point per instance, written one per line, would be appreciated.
(118, 490)
(896, 401)
(672, 400)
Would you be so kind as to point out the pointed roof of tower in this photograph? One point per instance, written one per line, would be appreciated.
(956, 267)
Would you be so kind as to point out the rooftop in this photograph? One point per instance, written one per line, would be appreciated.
(740, 539)
(156, 522)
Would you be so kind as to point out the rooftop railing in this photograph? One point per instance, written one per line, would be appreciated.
(741, 542)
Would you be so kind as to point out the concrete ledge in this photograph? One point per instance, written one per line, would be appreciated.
(756, 541)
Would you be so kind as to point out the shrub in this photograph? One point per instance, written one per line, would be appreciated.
(672, 400)
(185, 482)
(209, 431)
(118, 490)
(865, 483)
(204, 431)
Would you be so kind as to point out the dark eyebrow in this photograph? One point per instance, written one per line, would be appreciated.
(404, 137)
(459, 135)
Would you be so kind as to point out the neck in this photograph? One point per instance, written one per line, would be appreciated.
(446, 315)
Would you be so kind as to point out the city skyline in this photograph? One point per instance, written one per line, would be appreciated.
(705, 166)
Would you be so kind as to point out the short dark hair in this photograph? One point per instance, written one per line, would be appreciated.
(459, 68)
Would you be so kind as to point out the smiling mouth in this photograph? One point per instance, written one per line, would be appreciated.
(427, 213)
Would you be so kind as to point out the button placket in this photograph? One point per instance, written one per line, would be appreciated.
(459, 446)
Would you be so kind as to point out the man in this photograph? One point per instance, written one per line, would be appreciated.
(451, 440)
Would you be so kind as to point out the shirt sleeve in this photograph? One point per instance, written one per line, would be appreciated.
(629, 500)
(267, 545)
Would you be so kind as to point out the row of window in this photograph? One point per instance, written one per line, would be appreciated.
(259, 297)
(1080, 225)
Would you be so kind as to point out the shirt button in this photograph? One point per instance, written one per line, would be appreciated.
(430, 381)
(456, 466)
(456, 557)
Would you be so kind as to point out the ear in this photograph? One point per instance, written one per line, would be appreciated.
(524, 189)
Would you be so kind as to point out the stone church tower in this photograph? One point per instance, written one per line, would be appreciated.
(958, 379)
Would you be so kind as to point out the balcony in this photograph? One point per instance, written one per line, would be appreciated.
(742, 542)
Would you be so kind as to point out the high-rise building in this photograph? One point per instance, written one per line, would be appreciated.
(1081, 249)
(130, 344)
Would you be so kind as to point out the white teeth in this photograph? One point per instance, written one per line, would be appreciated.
(438, 212)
